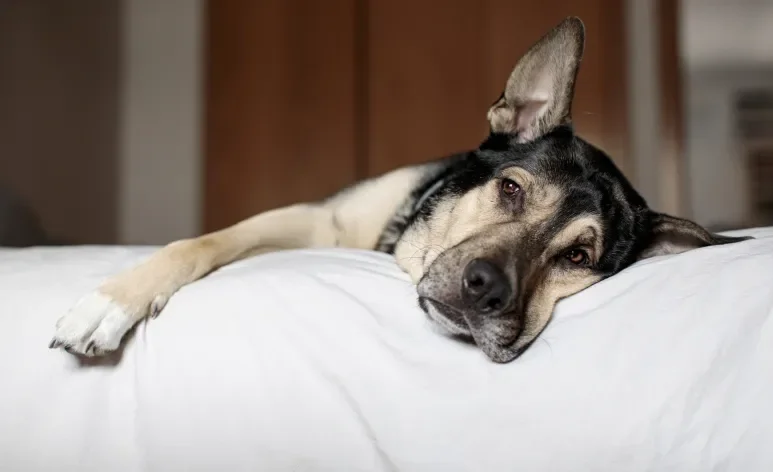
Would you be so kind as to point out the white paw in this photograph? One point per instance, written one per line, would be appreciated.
(94, 326)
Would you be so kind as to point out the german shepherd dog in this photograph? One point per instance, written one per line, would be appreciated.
(492, 238)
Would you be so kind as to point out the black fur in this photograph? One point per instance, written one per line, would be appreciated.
(593, 184)
(590, 185)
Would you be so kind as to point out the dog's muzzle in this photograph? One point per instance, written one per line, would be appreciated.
(479, 303)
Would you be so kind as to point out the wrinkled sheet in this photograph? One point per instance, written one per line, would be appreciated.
(320, 360)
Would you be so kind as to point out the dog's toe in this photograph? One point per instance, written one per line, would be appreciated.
(93, 327)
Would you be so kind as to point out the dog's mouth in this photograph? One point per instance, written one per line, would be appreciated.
(497, 339)
(445, 316)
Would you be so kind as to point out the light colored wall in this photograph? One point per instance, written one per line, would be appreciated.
(718, 177)
(643, 101)
(726, 46)
(733, 33)
(160, 136)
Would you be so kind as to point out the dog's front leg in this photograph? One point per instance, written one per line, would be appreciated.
(98, 322)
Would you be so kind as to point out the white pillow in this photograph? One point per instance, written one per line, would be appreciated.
(321, 360)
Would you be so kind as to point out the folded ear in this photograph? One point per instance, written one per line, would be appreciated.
(538, 95)
(672, 235)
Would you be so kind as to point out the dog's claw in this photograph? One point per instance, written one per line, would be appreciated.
(90, 348)
(156, 306)
(54, 344)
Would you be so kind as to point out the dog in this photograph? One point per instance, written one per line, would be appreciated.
(492, 238)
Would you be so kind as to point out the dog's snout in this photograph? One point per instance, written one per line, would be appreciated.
(485, 287)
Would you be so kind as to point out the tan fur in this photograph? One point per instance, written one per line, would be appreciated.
(542, 197)
(556, 286)
(183, 262)
(585, 229)
(561, 283)
(475, 213)
(363, 211)
(351, 219)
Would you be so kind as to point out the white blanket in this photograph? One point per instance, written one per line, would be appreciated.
(321, 361)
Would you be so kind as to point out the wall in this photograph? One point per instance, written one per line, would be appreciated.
(160, 148)
(99, 123)
(118, 99)
(725, 46)
(173, 165)
(643, 100)
(59, 78)
(727, 32)
(718, 177)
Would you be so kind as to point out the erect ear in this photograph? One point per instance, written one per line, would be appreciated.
(538, 95)
(672, 235)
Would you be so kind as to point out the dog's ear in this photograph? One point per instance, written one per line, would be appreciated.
(672, 235)
(538, 95)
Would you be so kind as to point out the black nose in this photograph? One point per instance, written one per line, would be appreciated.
(485, 286)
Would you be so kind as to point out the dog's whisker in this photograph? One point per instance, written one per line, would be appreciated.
(548, 344)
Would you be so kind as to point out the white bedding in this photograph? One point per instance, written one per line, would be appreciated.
(321, 360)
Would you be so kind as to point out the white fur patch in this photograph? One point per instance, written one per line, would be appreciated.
(95, 325)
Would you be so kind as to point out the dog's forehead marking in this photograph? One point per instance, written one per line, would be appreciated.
(459, 218)
(585, 229)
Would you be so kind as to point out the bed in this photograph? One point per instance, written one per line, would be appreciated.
(320, 360)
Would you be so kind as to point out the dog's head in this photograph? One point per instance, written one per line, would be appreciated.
(536, 213)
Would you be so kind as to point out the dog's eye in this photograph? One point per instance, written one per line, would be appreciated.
(510, 188)
(577, 257)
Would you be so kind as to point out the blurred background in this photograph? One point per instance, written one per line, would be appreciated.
(146, 121)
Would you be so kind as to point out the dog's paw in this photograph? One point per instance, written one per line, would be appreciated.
(93, 327)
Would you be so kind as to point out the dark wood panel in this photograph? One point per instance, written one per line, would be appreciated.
(673, 161)
(513, 31)
(435, 71)
(427, 93)
(280, 105)
(305, 97)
